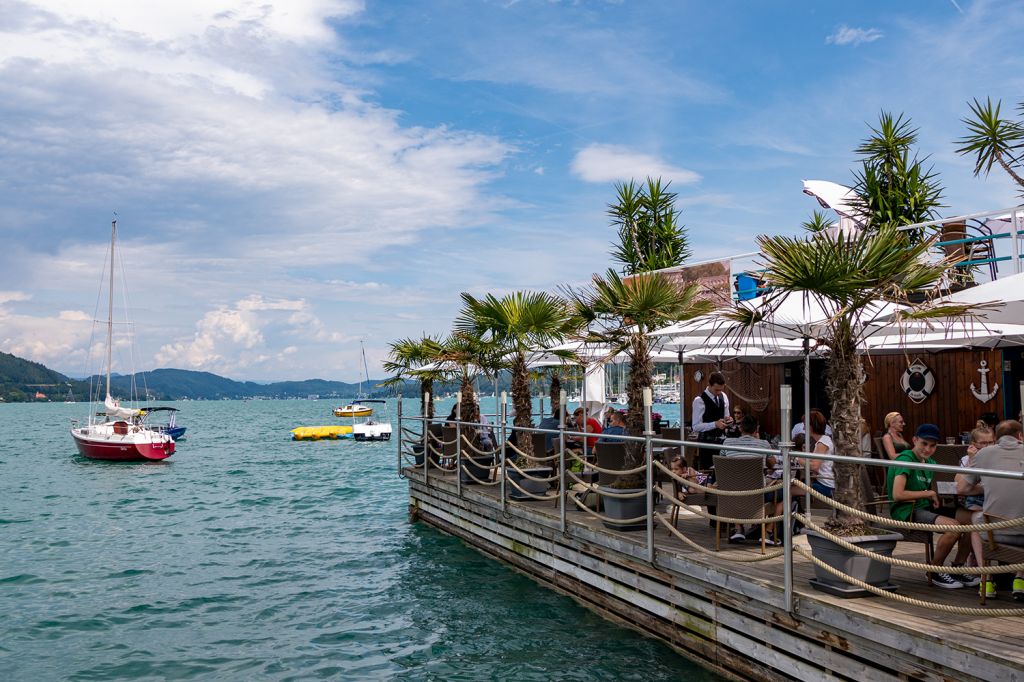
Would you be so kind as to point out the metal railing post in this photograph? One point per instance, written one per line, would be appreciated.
(458, 442)
(426, 438)
(398, 410)
(649, 452)
(807, 422)
(786, 401)
(502, 471)
(561, 460)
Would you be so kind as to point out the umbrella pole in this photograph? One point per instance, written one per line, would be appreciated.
(807, 421)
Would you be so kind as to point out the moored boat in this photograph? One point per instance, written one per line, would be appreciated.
(118, 433)
(353, 410)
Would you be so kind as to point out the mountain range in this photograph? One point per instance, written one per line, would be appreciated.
(26, 381)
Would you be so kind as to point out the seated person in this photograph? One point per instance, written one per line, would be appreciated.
(912, 497)
(1003, 497)
(732, 429)
(616, 427)
(552, 421)
(822, 470)
(750, 437)
(586, 424)
(679, 468)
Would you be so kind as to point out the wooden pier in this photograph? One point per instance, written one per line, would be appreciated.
(728, 616)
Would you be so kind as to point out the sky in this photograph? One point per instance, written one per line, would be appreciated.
(292, 179)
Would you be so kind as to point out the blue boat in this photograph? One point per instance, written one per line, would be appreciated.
(170, 427)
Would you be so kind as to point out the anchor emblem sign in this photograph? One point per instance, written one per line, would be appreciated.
(984, 395)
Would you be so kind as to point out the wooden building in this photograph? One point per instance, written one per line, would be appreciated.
(952, 403)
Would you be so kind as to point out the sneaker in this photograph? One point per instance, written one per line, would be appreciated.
(1018, 589)
(990, 590)
(737, 538)
(970, 580)
(945, 580)
(771, 541)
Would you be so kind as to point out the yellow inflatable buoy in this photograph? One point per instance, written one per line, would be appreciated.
(321, 432)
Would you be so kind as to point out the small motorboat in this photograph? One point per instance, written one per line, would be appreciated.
(170, 427)
(371, 428)
(353, 410)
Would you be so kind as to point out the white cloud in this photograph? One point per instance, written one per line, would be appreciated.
(849, 35)
(608, 163)
(13, 296)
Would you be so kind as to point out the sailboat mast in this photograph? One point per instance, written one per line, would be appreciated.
(366, 370)
(110, 302)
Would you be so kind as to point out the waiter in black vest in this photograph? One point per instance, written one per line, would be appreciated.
(711, 416)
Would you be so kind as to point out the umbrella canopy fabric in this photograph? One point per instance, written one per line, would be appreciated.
(839, 198)
(1003, 300)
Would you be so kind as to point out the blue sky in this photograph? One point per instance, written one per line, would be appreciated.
(294, 177)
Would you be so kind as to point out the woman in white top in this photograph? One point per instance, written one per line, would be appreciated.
(825, 480)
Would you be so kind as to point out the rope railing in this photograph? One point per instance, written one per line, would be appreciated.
(741, 559)
(908, 525)
(545, 458)
(718, 491)
(606, 519)
(470, 474)
(903, 563)
(728, 519)
(534, 496)
(548, 479)
(514, 476)
(945, 608)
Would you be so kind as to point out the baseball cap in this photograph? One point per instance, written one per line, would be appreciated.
(928, 432)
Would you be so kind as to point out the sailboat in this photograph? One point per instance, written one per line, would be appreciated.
(357, 409)
(118, 433)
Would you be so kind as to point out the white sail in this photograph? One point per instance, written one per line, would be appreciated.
(118, 412)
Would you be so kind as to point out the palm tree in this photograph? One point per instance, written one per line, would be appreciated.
(993, 139)
(847, 276)
(621, 313)
(463, 356)
(818, 221)
(415, 359)
(650, 235)
(894, 187)
(516, 324)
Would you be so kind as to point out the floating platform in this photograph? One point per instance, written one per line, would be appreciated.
(321, 432)
(728, 616)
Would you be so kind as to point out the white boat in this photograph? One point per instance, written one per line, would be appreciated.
(118, 433)
(373, 428)
(358, 409)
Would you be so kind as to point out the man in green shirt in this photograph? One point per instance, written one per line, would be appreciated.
(913, 498)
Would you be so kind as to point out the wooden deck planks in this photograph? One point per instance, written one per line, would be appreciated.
(983, 646)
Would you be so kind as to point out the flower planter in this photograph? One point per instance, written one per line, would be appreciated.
(865, 569)
(532, 487)
(629, 508)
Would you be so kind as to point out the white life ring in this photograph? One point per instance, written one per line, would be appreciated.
(918, 382)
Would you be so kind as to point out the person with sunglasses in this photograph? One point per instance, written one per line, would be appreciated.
(732, 429)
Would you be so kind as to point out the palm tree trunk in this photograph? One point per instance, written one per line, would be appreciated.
(845, 378)
(639, 379)
(521, 403)
(556, 394)
(1009, 169)
(427, 388)
(469, 411)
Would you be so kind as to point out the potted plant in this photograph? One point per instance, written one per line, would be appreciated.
(619, 313)
(531, 468)
(850, 276)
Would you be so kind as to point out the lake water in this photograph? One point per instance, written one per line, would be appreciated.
(247, 555)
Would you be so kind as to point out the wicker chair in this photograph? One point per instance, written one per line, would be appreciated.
(739, 473)
(437, 431)
(1004, 554)
(610, 456)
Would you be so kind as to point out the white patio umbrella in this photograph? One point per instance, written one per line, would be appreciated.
(1003, 300)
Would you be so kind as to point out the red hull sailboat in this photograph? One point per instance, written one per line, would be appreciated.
(119, 433)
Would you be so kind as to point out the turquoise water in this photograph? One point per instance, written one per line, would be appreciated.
(247, 555)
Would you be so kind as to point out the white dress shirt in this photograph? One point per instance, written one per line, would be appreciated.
(699, 425)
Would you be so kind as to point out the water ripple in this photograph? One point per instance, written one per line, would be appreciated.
(249, 556)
